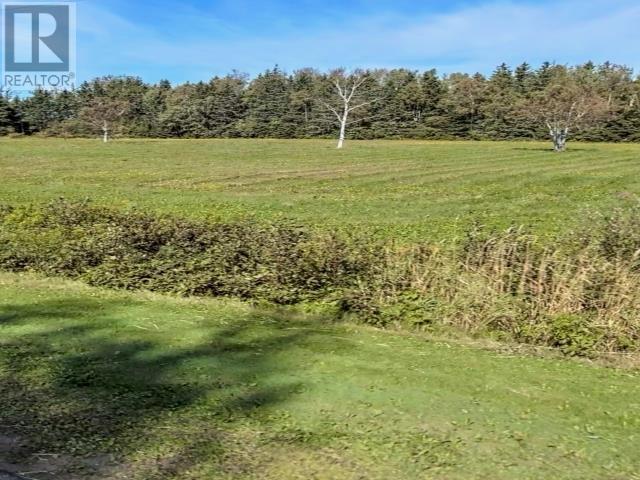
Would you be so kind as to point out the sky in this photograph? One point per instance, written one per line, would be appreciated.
(191, 40)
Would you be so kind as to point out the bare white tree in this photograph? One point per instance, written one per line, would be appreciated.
(102, 113)
(567, 104)
(347, 88)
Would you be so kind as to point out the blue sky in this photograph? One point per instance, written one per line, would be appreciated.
(197, 39)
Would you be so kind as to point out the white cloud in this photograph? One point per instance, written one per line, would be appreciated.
(469, 39)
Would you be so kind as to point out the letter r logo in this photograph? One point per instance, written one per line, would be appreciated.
(37, 37)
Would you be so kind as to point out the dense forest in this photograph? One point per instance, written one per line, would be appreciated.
(397, 103)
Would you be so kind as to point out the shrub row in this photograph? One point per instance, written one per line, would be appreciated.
(580, 294)
(281, 262)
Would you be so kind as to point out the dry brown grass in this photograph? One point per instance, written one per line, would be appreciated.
(574, 294)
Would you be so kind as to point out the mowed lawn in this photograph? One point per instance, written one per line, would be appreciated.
(135, 385)
(412, 189)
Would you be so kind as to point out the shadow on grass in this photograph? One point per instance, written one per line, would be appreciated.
(575, 149)
(80, 387)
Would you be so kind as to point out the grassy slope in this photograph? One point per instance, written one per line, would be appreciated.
(410, 187)
(218, 389)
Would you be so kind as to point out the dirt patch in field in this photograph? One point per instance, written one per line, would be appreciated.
(17, 462)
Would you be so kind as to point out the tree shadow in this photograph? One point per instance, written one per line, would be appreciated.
(550, 149)
(76, 388)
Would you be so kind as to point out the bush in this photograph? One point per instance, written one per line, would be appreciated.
(580, 294)
(405, 309)
(280, 262)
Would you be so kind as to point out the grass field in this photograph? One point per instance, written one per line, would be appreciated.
(407, 188)
(180, 388)
(98, 383)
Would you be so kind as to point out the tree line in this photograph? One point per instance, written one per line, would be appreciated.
(589, 101)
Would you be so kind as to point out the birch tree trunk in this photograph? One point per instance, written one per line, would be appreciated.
(559, 137)
(346, 88)
(105, 132)
(343, 127)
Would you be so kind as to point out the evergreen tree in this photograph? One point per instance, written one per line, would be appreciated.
(400, 107)
(462, 103)
(435, 123)
(38, 112)
(267, 101)
(7, 116)
(183, 114)
(499, 105)
(154, 105)
(525, 79)
(224, 105)
(398, 103)
(306, 111)
(543, 76)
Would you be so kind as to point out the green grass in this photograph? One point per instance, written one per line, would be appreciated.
(186, 388)
(408, 189)
(136, 385)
